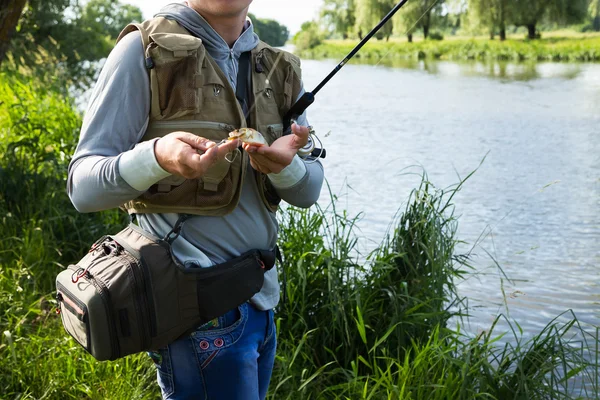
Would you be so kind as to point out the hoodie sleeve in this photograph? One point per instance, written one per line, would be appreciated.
(299, 184)
(109, 167)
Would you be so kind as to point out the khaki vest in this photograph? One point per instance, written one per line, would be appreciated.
(189, 92)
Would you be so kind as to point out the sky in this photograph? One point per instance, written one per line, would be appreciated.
(291, 13)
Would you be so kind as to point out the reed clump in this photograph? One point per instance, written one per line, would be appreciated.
(349, 328)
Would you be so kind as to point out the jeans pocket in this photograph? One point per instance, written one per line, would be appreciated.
(216, 335)
(164, 370)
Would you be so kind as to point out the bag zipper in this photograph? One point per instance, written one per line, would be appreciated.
(149, 298)
(105, 296)
(145, 317)
(65, 297)
(136, 263)
(74, 305)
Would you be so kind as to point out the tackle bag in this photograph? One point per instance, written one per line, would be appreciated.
(129, 294)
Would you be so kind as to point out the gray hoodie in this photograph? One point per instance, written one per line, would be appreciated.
(110, 167)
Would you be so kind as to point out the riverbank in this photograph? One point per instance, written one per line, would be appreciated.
(345, 330)
(582, 48)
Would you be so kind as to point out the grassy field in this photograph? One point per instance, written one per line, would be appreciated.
(348, 330)
(557, 46)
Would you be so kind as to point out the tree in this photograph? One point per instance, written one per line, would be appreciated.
(530, 13)
(491, 14)
(418, 14)
(595, 13)
(10, 12)
(367, 16)
(339, 16)
(405, 21)
(270, 31)
(82, 33)
(109, 16)
(308, 37)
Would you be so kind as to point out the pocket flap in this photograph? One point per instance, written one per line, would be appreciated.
(176, 41)
(215, 174)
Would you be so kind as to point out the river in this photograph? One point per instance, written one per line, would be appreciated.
(533, 204)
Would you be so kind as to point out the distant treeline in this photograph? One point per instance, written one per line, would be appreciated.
(354, 18)
(270, 31)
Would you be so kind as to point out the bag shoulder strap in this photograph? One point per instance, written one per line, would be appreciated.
(243, 84)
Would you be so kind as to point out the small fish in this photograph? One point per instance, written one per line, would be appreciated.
(248, 135)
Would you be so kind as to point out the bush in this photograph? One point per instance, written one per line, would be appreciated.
(308, 37)
(435, 36)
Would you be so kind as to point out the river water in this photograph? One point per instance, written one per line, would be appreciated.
(533, 204)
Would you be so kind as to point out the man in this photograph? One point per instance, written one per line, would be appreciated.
(151, 143)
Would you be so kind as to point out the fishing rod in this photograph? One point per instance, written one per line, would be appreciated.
(309, 97)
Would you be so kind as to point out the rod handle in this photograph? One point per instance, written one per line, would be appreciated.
(297, 110)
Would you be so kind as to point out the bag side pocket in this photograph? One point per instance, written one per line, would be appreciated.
(75, 318)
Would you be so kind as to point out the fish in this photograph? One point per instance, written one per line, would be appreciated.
(248, 135)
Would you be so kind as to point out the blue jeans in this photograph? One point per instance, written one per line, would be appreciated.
(229, 358)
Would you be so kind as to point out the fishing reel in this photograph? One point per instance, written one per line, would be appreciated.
(311, 149)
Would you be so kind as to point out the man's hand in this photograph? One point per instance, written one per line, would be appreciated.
(274, 158)
(188, 155)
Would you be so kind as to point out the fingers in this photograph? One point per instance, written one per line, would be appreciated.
(265, 165)
(215, 153)
(300, 137)
(196, 142)
(188, 155)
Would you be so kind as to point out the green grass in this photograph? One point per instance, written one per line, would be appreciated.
(348, 329)
(583, 48)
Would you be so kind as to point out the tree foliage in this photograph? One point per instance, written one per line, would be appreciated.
(81, 32)
(594, 12)
(530, 13)
(270, 31)
(339, 16)
(405, 22)
(419, 14)
(308, 37)
(493, 15)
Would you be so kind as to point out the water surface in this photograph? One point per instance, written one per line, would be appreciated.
(534, 204)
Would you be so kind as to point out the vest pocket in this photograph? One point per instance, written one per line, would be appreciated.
(215, 193)
(271, 132)
(173, 77)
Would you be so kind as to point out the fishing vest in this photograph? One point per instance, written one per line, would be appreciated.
(189, 92)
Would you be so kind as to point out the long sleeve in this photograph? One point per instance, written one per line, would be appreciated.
(115, 121)
(306, 191)
(299, 184)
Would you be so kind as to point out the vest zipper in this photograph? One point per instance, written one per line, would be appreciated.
(233, 75)
(190, 123)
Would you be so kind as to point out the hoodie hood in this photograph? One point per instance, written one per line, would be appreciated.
(216, 46)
